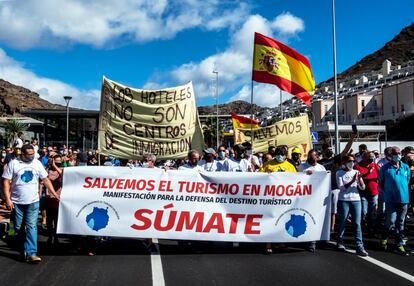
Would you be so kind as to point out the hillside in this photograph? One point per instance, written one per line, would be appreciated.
(14, 99)
(238, 107)
(399, 51)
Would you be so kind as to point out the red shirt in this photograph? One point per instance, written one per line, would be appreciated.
(369, 174)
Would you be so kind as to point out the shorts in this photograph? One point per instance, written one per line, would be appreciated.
(334, 198)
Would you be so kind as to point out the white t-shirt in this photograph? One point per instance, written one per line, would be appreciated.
(220, 164)
(231, 165)
(191, 167)
(209, 166)
(306, 166)
(347, 194)
(25, 180)
(36, 149)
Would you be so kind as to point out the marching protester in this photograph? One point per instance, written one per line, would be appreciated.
(253, 159)
(238, 163)
(394, 178)
(221, 157)
(55, 174)
(369, 197)
(349, 202)
(296, 156)
(209, 163)
(193, 160)
(309, 167)
(332, 163)
(278, 164)
(21, 190)
(149, 161)
(311, 164)
(362, 148)
(381, 202)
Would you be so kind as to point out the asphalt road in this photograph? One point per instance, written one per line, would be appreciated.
(128, 262)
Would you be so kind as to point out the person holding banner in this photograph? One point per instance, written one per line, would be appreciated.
(209, 163)
(295, 156)
(221, 158)
(238, 163)
(149, 161)
(278, 164)
(349, 183)
(193, 161)
(311, 165)
(55, 174)
(21, 189)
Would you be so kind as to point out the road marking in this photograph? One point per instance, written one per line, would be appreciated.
(389, 268)
(156, 265)
(381, 264)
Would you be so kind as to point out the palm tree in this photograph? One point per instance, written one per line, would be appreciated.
(13, 128)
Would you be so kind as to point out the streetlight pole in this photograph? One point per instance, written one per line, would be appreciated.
(217, 111)
(337, 146)
(67, 99)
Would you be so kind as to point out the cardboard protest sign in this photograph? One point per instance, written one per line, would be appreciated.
(293, 132)
(163, 122)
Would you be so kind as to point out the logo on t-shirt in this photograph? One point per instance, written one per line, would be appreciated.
(27, 176)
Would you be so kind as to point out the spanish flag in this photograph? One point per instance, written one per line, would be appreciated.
(278, 64)
(243, 122)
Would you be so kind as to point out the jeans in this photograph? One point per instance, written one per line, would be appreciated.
(25, 225)
(395, 216)
(369, 205)
(344, 209)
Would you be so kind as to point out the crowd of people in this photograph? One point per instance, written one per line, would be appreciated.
(369, 190)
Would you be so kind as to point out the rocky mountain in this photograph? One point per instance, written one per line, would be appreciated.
(14, 99)
(399, 51)
(238, 107)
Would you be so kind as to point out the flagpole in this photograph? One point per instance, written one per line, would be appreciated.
(251, 94)
(281, 110)
(335, 80)
(217, 111)
(251, 115)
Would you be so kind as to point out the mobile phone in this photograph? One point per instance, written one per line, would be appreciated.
(354, 129)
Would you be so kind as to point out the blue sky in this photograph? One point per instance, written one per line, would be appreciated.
(63, 47)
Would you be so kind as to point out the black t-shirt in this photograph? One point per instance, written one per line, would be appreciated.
(332, 165)
(82, 157)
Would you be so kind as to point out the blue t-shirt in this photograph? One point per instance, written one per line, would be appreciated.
(395, 181)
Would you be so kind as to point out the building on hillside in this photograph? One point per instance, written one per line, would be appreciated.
(372, 98)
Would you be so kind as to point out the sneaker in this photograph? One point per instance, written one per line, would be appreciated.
(340, 247)
(401, 251)
(33, 259)
(383, 244)
(361, 252)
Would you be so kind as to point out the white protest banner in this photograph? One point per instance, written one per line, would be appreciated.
(163, 122)
(216, 206)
